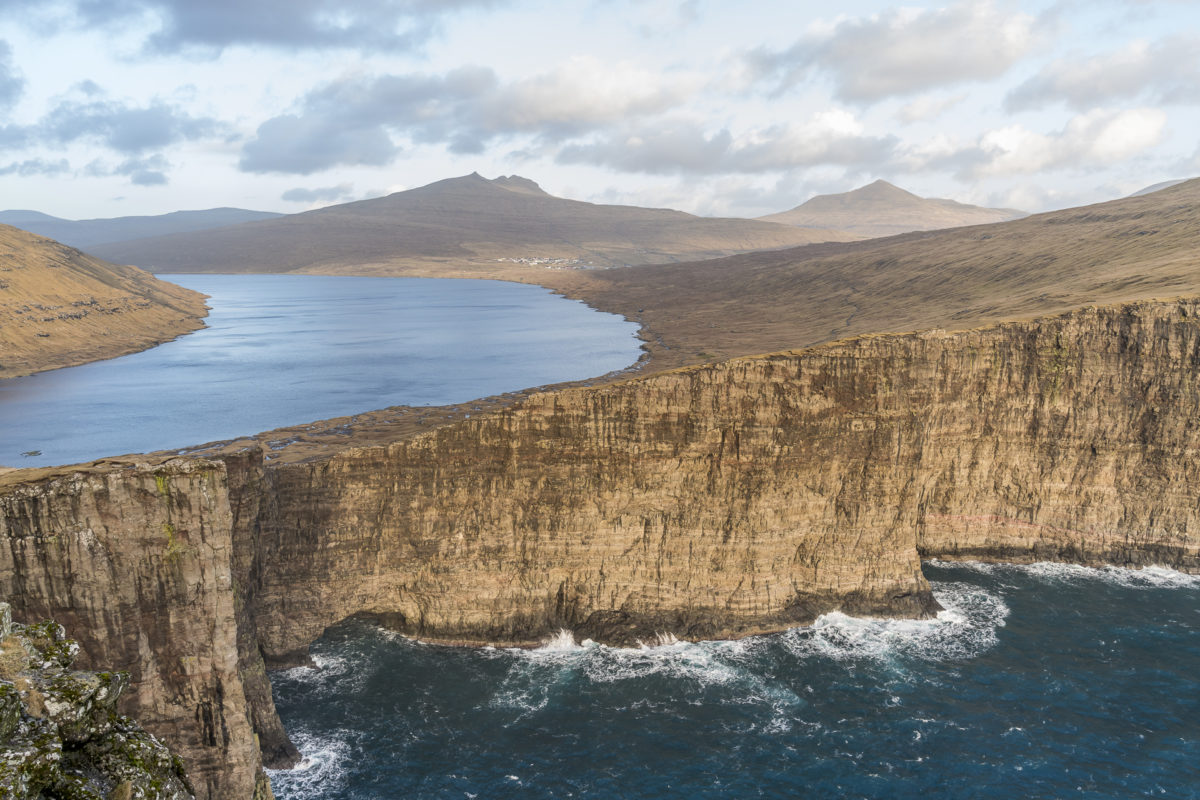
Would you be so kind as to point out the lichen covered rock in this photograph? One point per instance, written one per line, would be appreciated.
(61, 737)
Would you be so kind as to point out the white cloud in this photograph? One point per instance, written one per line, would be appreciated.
(928, 107)
(903, 51)
(1167, 71)
(352, 121)
(584, 92)
(1091, 141)
(682, 146)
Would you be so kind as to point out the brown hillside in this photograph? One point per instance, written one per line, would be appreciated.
(60, 307)
(1129, 249)
(881, 209)
(470, 223)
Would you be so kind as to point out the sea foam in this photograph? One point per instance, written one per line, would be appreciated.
(1152, 577)
(964, 629)
(322, 768)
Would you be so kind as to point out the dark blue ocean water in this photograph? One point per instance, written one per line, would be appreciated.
(288, 349)
(1036, 682)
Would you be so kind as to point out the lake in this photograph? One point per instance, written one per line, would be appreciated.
(283, 350)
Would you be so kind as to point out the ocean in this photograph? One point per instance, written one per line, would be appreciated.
(1042, 681)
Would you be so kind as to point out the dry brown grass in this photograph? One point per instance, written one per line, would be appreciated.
(13, 658)
(59, 307)
(1137, 248)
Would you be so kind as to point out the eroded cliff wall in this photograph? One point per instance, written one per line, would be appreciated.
(137, 566)
(713, 501)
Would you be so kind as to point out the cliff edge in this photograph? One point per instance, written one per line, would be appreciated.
(712, 501)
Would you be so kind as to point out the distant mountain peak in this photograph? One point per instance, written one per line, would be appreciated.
(884, 209)
(1158, 187)
(515, 183)
(880, 188)
(17, 216)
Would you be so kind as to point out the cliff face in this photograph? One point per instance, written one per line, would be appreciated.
(137, 565)
(717, 501)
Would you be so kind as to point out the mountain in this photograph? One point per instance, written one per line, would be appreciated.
(1158, 187)
(60, 307)
(470, 223)
(881, 209)
(1136, 248)
(86, 233)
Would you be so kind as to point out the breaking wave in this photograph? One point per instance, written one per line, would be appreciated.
(1054, 572)
(322, 769)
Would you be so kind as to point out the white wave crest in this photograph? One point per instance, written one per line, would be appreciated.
(1133, 578)
(537, 675)
(661, 639)
(966, 628)
(322, 767)
(563, 641)
(322, 668)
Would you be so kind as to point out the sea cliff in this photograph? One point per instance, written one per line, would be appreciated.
(714, 501)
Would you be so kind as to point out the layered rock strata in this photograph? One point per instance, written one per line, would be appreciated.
(714, 501)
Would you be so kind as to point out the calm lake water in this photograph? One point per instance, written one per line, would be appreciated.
(1037, 682)
(284, 349)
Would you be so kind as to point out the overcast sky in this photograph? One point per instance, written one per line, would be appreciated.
(116, 107)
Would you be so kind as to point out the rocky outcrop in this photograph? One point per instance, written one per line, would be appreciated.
(60, 734)
(714, 501)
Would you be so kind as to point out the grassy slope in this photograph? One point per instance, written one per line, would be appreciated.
(60, 307)
(1135, 248)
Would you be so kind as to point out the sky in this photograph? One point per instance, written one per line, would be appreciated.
(120, 107)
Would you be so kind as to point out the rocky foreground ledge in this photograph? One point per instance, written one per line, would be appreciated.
(61, 737)
(715, 501)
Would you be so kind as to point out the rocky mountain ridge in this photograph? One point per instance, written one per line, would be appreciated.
(87, 233)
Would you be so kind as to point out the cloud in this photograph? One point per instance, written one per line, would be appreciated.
(928, 108)
(1091, 142)
(682, 147)
(352, 121)
(902, 51)
(373, 25)
(36, 166)
(302, 145)
(11, 82)
(141, 171)
(1167, 71)
(126, 129)
(326, 194)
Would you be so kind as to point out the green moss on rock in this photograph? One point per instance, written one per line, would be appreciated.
(60, 735)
